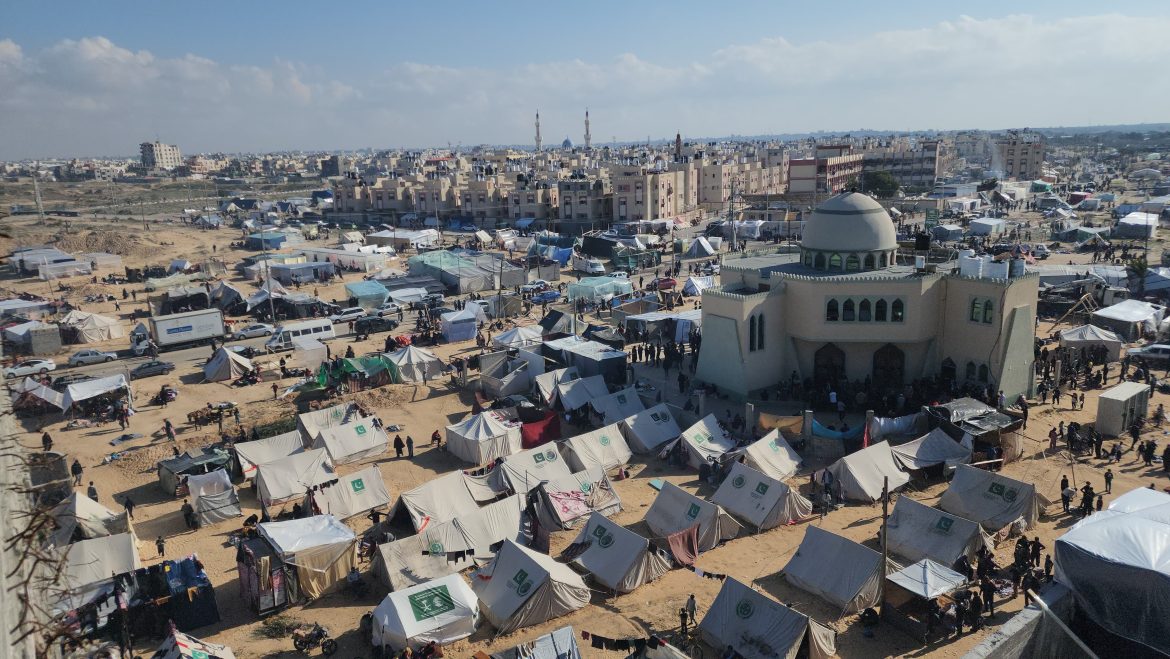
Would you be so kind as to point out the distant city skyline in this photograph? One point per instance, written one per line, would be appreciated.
(97, 79)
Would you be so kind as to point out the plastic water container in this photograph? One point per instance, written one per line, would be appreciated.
(1017, 268)
(995, 269)
(969, 253)
(970, 266)
(919, 262)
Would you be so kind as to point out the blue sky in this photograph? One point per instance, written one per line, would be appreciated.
(96, 78)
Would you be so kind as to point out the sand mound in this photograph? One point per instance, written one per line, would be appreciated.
(110, 242)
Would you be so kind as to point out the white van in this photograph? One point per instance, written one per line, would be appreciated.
(317, 328)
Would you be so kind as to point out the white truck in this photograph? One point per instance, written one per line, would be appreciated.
(178, 330)
(588, 265)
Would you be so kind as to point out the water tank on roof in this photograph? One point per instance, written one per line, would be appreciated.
(969, 253)
(970, 266)
(1017, 268)
(995, 269)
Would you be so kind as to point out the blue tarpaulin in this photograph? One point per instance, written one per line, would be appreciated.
(367, 294)
(821, 431)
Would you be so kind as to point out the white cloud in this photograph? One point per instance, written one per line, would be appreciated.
(92, 96)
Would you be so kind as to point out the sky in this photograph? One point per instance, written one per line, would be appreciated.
(84, 79)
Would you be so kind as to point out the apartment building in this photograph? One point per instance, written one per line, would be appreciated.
(830, 170)
(1020, 155)
(435, 196)
(484, 197)
(644, 193)
(586, 202)
(533, 200)
(914, 165)
(156, 155)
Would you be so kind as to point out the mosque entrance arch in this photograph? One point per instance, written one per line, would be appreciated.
(828, 365)
(889, 366)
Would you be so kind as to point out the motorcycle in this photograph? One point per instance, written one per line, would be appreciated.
(307, 637)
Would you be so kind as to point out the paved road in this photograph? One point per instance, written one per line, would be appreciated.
(185, 361)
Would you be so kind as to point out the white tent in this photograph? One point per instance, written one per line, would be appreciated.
(1115, 562)
(618, 558)
(675, 509)
(226, 365)
(75, 393)
(182, 646)
(321, 548)
(288, 478)
(927, 579)
(758, 627)
(250, 455)
(408, 295)
(772, 456)
(934, 448)
(481, 438)
(917, 531)
(860, 475)
(353, 494)
(575, 394)
(1091, 335)
(836, 569)
(437, 500)
(618, 405)
(563, 500)
(648, 430)
(78, 518)
(444, 611)
(312, 423)
(760, 500)
(993, 500)
(416, 364)
(518, 337)
(462, 325)
(696, 285)
(526, 469)
(706, 441)
(87, 566)
(699, 249)
(545, 384)
(604, 448)
(310, 352)
(559, 644)
(524, 588)
(1129, 318)
(92, 328)
(213, 497)
(352, 441)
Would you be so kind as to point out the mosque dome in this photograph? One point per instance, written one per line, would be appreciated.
(848, 232)
(567, 144)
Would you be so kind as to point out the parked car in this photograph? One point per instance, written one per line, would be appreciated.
(387, 309)
(619, 274)
(347, 314)
(662, 284)
(91, 356)
(1041, 251)
(433, 300)
(711, 269)
(535, 286)
(1155, 352)
(374, 324)
(150, 369)
(254, 330)
(546, 296)
(30, 367)
(61, 382)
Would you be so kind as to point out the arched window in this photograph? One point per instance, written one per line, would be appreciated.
(831, 311)
(863, 313)
(897, 311)
(879, 311)
(819, 262)
(835, 262)
(808, 259)
(977, 309)
(752, 334)
(760, 333)
(883, 262)
(869, 261)
(852, 263)
(983, 372)
(970, 370)
(847, 312)
(988, 311)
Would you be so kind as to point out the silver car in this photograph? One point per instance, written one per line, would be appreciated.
(30, 367)
(90, 356)
(254, 330)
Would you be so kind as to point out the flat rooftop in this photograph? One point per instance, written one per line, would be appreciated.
(790, 264)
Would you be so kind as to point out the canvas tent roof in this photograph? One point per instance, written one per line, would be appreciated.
(321, 548)
(288, 478)
(699, 249)
(92, 328)
(437, 500)
(760, 500)
(993, 500)
(252, 454)
(518, 337)
(696, 285)
(526, 469)
(481, 438)
(918, 531)
(88, 565)
(705, 441)
(575, 394)
(312, 423)
(675, 509)
(933, 448)
(618, 558)
(860, 474)
(928, 579)
(604, 448)
(416, 364)
(183, 646)
(75, 393)
(444, 611)
(772, 456)
(565, 499)
(750, 621)
(213, 497)
(352, 441)
(462, 325)
(226, 365)
(836, 569)
(353, 494)
(81, 518)
(546, 383)
(559, 644)
(618, 405)
(1091, 335)
(650, 429)
(1117, 563)
(1129, 317)
(526, 588)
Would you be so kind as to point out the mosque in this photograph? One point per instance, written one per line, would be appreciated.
(851, 306)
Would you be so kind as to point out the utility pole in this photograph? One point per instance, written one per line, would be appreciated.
(37, 193)
(885, 531)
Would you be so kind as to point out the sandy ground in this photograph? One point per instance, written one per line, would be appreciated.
(756, 558)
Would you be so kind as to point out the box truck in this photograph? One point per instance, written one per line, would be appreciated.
(178, 330)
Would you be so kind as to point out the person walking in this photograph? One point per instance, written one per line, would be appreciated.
(128, 505)
(409, 447)
(1048, 567)
(76, 470)
(398, 446)
(988, 590)
(1108, 481)
(274, 389)
(188, 514)
(46, 441)
(169, 429)
(691, 608)
(1034, 549)
(91, 491)
(161, 545)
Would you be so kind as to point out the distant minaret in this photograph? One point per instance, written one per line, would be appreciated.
(538, 130)
(588, 137)
(678, 146)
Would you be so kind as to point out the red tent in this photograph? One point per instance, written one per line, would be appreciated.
(540, 432)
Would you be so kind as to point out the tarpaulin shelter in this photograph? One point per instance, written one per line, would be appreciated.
(462, 325)
(1115, 563)
(322, 549)
(564, 500)
(575, 394)
(917, 531)
(758, 627)
(182, 646)
(281, 481)
(87, 568)
(618, 558)
(675, 509)
(706, 442)
(699, 249)
(351, 495)
(482, 438)
(932, 449)
(444, 611)
(696, 285)
(559, 644)
(310, 352)
(596, 289)
(526, 469)
(860, 475)
(213, 497)
(367, 294)
(80, 518)
(519, 337)
(1129, 319)
(541, 431)
(1087, 336)
(927, 579)
(545, 384)
(416, 364)
(772, 456)
(193, 462)
(590, 357)
(911, 591)
(32, 395)
(437, 500)
(650, 429)
(77, 392)
(312, 423)
(250, 455)
(353, 441)
(501, 375)
(521, 588)
(1137, 225)
(408, 296)
(226, 365)
(991, 499)
(836, 569)
(92, 328)
(760, 500)
(604, 448)
(618, 406)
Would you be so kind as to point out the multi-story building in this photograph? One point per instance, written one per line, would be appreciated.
(435, 196)
(332, 166)
(644, 193)
(533, 200)
(831, 169)
(586, 202)
(1020, 155)
(484, 198)
(918, 165)
(156, 156)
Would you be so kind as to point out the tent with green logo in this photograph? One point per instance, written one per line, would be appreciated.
(312, 423)
(706, 441)
(605, 448)
(836, 569)
(436, 500)
(444, 611)
(675, 509)
(860, 476)
(281, 481)
(916, 531)
(758, 627)
(526, 469)
(352, 441)
(521, 588)
(618, 405)
(760, 500)
(991, 499)
(773, 456)
(351, 495)
(563, 500)
(618, 558)
(650, 429)
(250, 455)
(481, 438)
